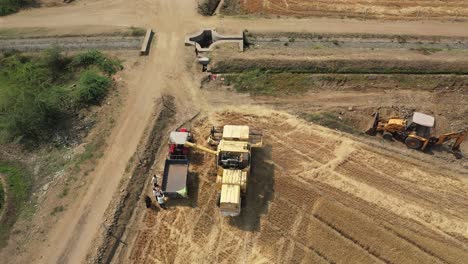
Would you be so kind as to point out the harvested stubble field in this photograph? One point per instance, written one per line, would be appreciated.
(314, 196)
(386, 9)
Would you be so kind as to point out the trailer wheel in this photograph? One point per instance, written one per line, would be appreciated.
(387, 136)
(413, 143)
(218, 200)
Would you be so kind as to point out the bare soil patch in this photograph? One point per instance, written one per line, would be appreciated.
(381, 9)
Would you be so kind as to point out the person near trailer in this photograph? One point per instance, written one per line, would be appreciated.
(159, 195)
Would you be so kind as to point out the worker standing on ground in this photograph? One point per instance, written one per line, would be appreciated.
(155, 179)
(159, 195)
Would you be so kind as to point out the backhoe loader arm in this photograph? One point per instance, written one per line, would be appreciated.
(204, 149)
(458, 136)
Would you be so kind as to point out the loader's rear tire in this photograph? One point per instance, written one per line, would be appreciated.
(413, 143)
(387, 136)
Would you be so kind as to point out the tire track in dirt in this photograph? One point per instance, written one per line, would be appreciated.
(362, 172)
(135, 186)
(315, 215)
(304, 214)
(416, 245)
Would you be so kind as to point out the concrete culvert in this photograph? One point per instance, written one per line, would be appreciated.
(206, 39)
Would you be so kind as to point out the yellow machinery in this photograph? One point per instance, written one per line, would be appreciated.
(233, 160)
(415, 131)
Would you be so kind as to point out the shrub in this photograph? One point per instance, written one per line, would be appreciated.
(11, 6)
(92, 88)
(54, 60)
(19, 188)
(94, 57)
(34, 93)
(29, 102)
(136, 31)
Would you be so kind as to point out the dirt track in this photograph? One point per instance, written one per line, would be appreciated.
(314, 196)
(191, 228)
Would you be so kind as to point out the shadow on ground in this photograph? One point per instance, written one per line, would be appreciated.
(260, 191)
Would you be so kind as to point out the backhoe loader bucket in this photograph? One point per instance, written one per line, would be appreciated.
(372, 130)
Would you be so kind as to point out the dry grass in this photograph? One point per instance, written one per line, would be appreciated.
(237, 65)
(409, 10)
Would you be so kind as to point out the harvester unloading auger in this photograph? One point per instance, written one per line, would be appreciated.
(415, 132)
(233, 161)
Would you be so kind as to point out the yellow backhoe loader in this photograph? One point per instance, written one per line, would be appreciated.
(415, 131)
(233, 160)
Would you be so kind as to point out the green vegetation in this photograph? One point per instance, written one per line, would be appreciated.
(341, 66)
(42, 32)
(266, 83)
(97, 59)
(92, 87)
(137, 31)
(37, 93)
(278, 84)
(57, 210)
(329, 120)
(91, 151)
(2, 197)
(11, 6)
(19, 185)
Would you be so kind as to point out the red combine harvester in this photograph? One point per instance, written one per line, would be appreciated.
(174, 182)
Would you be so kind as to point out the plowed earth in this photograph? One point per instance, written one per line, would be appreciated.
(393, 9)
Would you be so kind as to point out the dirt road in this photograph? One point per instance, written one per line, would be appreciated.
(164, 71)
(161, 72)
(144, 12)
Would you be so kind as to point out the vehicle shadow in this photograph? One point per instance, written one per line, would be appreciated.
(444, 148)
(260, 191)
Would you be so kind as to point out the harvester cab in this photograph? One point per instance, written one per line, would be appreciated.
(233, 161)
(177, 141)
